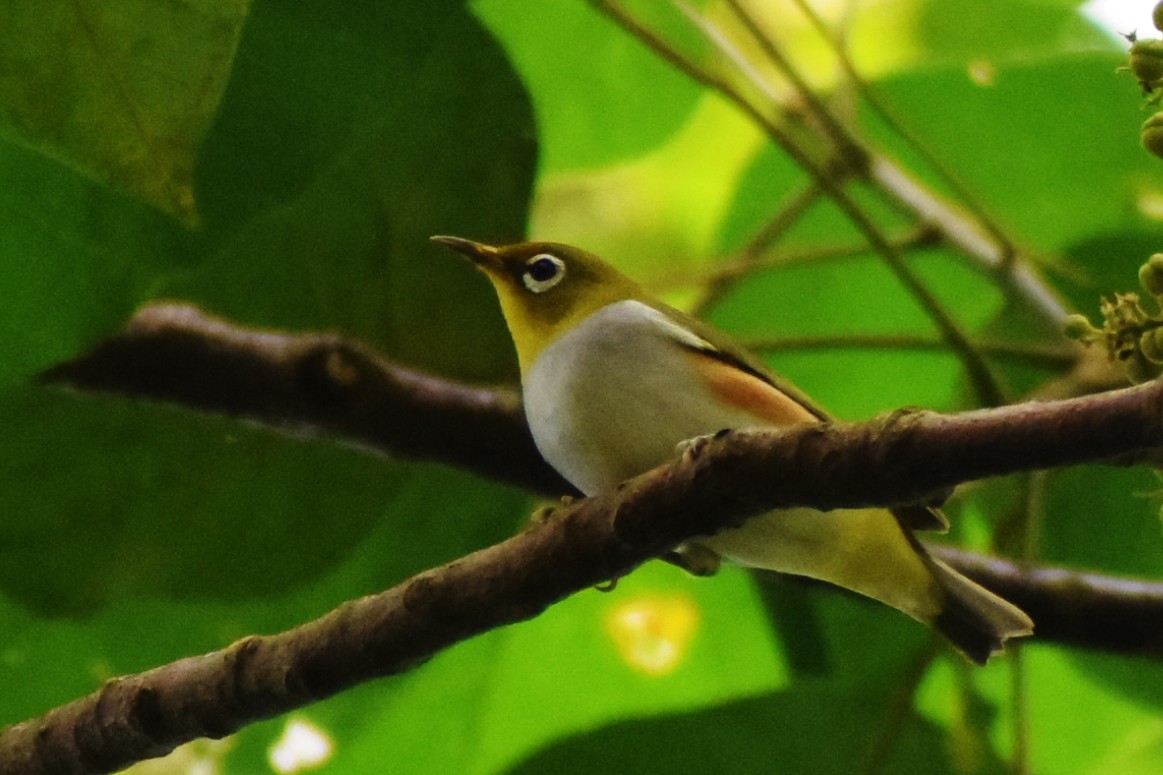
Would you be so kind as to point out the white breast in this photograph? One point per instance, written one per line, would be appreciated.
(612, 397)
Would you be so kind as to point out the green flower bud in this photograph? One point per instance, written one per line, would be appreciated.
(1151, 275)
(1138, 369)
(1151, 345)
(1151, 135)
(1078, 327)
(1146, 63)
(1157, 16)
(1123, 312)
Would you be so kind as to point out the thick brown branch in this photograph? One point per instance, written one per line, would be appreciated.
(342, 389)
(904, 457)
(891, 460)
(314, 382)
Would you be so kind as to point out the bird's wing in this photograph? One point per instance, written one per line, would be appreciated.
(743, 382)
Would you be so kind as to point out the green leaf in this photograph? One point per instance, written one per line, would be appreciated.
(347, 136)
(122, 91)
(807, 728)
(48, 660)
(600, 96)
(325, 223)
(226, 511)
(1019, 144)
(1114, 734)
(77, 257)
(1128, 539)
(965, 31)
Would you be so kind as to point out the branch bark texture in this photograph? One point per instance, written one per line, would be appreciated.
(319, 383)
(715, 483)
(900, 458)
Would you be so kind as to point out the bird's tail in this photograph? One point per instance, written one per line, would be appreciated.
(976, 621)
(870, 552)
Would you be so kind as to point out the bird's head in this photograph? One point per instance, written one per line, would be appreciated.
(545, 288)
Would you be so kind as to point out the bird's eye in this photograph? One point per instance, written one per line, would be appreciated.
(542, 272)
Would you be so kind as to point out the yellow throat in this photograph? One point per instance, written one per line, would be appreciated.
(545, 288)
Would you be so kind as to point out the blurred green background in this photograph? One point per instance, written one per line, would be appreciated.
(282, 163)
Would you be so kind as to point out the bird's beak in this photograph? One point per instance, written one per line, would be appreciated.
(484, 256)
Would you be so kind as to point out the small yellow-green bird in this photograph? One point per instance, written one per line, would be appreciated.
(613, 380)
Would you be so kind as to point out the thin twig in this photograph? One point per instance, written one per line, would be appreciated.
(1034, 511)
(1019, 706)
(733, 269)
(981, 377)
(1001, 256)
(998, 252)
(960, 231)
(1044, 356)
(985, 385)
(935, 162)
(719, 284)
(899, 710)
(778, 224)
(846, 145)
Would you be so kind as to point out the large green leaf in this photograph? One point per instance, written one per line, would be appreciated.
(347, 136)
(809, 728)
(77, 259)
(1020, 144)
(123, 91)
(331, 165)
(600, 96)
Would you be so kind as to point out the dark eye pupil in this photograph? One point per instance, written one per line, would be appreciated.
(543, 269)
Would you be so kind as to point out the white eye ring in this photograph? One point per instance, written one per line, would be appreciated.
(542, 272)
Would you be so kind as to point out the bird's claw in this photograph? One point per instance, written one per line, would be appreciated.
(692, 449)
(608, 586)
(545, 513)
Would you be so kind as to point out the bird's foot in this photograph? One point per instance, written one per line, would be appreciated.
(545, 513)
(692, 449)
(608, 586)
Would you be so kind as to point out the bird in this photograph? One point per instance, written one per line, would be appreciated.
(613, 379)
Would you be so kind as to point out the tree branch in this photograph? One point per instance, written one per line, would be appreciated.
(717, 482)
(1088, 610)
(314, 383)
